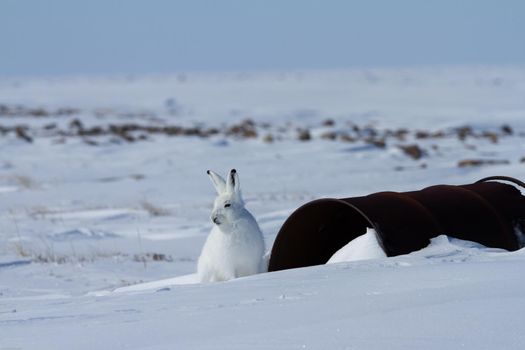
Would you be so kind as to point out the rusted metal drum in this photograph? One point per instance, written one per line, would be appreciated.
(489, 212)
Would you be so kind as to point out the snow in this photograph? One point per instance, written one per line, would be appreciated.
(99, 237)
(363, 247)
(460, 297)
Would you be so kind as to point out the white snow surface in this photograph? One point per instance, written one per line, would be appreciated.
(363, 247)
(99, 243)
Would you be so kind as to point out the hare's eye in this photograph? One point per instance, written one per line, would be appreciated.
(227, 205)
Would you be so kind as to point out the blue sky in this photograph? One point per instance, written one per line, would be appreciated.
(47, 37)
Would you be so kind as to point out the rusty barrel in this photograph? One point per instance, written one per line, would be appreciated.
(489, 212)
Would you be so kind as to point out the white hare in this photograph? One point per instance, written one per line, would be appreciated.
(235, 245)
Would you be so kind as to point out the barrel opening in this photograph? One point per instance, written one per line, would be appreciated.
(314, 232)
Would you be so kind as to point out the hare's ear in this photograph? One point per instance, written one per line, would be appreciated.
(217, 181)
(233, 186)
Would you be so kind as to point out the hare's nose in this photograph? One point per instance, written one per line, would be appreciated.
(216, 220)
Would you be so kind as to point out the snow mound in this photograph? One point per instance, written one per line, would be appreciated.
(448, 249)
(153, 286)
(442, 248)
(160, 285)
(81, 234)
(364, 247)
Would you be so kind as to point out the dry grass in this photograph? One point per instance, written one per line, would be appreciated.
(49, 256)
(152, 257)
(38, 212)
(480, 162)
(154, 210)
(25, 182)
(20, 250)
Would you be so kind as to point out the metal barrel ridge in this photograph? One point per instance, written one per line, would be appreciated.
(487, 211)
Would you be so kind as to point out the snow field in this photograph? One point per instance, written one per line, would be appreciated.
(99, 243)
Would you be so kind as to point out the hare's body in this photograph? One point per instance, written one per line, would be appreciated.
(231, 255)
(235, 245)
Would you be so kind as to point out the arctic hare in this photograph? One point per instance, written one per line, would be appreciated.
(235, 245)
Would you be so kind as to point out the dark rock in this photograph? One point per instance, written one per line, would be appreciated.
(304, 135)
(328, 122)
(347, 138)
(479, 162)
(413, 151)
(380, 143)
(492, 136)
(21, 132)
(463, 132)
(329, 135)
(507, 130)
(268, 138)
